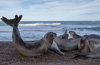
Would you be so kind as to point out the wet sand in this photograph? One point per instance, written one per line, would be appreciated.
(9, 56)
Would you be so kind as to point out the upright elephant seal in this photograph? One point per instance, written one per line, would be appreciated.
(36, 48)
(89, 48)
(88, 45)
(83, 46)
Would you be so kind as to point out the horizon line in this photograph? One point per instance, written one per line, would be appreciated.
(62, 20)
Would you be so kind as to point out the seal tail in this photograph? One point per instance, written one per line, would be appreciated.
(12, 22)
(65, 31)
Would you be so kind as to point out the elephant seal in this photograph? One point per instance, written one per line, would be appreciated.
(64, 36)
(83, 46)
(87, 45)
(66, 44)
(74, 35)
(91, 36)
(89, 48)
(35, 48)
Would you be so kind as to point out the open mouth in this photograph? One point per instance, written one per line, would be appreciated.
(82, 42)
(52, 36)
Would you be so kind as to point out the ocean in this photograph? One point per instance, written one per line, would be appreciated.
(34, 30)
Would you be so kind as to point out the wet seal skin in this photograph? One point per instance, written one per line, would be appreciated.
(36, 48)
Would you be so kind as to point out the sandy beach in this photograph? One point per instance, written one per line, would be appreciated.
(9, 56)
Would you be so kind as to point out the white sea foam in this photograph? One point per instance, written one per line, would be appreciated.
(50, 29)
(34, 31)
(24, 28)
(37, 24)
(81, 26)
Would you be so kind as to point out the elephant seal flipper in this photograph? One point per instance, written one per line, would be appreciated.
(55, 48)
(65, 35)
(92, 54)
(79, 55)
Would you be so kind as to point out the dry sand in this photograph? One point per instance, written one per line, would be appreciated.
(9, 56)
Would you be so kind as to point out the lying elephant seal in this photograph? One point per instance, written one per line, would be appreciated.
(70, 44)
(74, 35)
(92, 36)
(66, 44)
(37, 48)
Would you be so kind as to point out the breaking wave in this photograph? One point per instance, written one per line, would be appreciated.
(38, 24)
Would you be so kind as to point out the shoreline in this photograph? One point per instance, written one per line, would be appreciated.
(9, 56)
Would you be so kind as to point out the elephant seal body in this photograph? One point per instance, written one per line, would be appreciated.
(67, 44)
(35, 48)
(92, 36)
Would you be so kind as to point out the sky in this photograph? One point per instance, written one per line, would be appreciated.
(51, 10)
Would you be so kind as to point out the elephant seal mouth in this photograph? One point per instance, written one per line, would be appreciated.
(53, 36)
(82, 43)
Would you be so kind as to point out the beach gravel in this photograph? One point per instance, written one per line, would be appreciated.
(9, 56)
